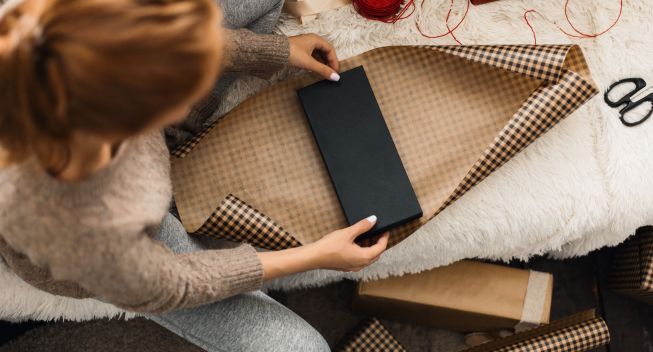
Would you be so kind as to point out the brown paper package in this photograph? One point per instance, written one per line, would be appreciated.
(467, 296)
(580, 332)
(456, 114)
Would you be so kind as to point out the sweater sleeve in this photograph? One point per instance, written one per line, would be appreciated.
(135, 272)
(256, 54)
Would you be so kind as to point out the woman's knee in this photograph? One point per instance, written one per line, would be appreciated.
(259, 14)
(303, 337)
(285, 330)
(270, 326)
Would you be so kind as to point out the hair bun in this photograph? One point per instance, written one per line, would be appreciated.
(21, 36)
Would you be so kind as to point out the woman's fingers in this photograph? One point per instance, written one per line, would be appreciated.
(369, 255)
(361, 227)
(314, 65)
(328, 51)
(309, 50)
(377, 249)
(339, 250)
(370, 262)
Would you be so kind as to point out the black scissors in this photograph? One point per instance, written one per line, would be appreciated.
(640, 84)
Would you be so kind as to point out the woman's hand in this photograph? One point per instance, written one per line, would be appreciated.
(337, 250)
(313, 53)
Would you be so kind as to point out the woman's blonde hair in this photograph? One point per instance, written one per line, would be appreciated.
(99, 66)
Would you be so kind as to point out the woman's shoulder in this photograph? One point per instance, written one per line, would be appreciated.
(17, 205)
(34, 206)
(142, 167)
(10, 174)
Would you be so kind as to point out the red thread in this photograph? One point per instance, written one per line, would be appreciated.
(594, 35)
(530, 26)
(578, 34)
(388, 11)
(446, 21)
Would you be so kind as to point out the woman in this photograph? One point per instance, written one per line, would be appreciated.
(86, 86)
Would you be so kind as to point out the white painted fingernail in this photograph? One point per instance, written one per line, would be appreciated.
(334, 77)
(371, 219)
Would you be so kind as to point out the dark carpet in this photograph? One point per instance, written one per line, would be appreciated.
(326, 308)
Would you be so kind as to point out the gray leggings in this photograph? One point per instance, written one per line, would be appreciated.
(247, 322)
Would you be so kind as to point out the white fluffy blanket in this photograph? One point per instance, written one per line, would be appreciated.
(584, 185)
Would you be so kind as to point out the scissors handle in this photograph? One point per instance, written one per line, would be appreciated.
(639, 85)
(631, 105)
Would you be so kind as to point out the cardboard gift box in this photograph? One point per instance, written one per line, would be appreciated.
(369, 336)
(466, 296)
(632, 268)
(577, 333)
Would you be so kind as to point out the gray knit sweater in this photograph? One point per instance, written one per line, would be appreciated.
(93, 238)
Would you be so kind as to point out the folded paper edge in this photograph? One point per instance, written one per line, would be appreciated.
(631, 271)
(542, 62)
(539, 114)
(237, 221)
(646, 261)
(575, 61)
(363, 327)
(183, 150)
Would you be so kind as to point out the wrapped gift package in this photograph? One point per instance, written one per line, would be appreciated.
(467, 296)
(577, 333)
(307, 10)
(369, 336)
(455, 113)
(632, 267)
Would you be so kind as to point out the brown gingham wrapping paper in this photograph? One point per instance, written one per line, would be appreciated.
(456, 114)
(632, 267)
(369, 336)
(236, 221)
(577, 333)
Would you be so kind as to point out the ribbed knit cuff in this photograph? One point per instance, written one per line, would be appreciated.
(244, 270)
(256, 54)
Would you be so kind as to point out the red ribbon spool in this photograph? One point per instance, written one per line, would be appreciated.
(388, 11)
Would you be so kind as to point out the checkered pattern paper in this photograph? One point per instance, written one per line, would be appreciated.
(456, 114)
(236, 221)
(369, 336)
(578, 333)
(632, 267)
(584, 336)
